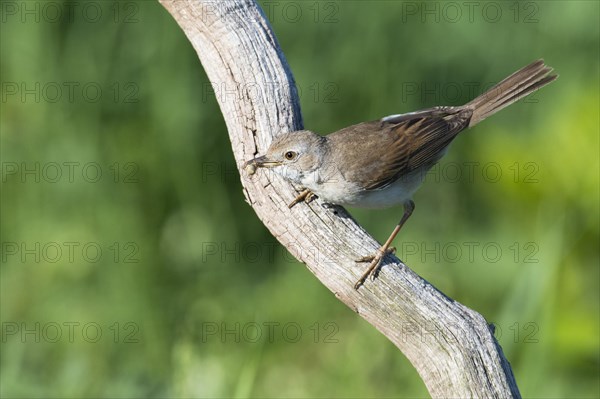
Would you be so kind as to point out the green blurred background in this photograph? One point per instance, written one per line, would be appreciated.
(132, 267)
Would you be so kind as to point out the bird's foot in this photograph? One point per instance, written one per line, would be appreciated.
(306, 195)
(374, 266)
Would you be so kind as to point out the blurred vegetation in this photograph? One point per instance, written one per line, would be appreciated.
(156, 279)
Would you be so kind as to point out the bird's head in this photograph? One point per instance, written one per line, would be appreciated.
(295, 156)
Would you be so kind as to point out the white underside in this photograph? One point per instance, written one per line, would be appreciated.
(396, 193)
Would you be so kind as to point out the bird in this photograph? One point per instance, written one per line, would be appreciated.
(382, 163)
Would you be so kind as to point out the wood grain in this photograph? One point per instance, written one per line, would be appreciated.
(451, 346)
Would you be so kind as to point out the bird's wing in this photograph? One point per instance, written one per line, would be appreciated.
(405, 143)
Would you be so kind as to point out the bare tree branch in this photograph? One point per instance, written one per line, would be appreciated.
(450, 345)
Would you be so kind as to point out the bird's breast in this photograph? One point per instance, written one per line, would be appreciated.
(341, 192)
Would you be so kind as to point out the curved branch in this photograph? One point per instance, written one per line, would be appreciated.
(450, 345)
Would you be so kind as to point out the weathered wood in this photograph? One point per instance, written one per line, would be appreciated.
(450, 345)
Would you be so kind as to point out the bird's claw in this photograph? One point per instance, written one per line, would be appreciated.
(306, 195)
(374, 266)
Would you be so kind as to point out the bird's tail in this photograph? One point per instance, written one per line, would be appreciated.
(518, 85)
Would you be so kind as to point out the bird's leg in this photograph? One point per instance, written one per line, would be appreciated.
(385, 249)
(306, 195)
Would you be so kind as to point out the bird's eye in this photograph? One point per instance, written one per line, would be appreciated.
(290, 155)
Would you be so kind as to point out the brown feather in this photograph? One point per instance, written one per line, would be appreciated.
(405, 144)
(415, 141)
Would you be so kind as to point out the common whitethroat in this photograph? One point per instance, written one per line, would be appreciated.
(381, 163)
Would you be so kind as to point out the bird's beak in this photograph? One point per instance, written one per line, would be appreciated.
(260, 162)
